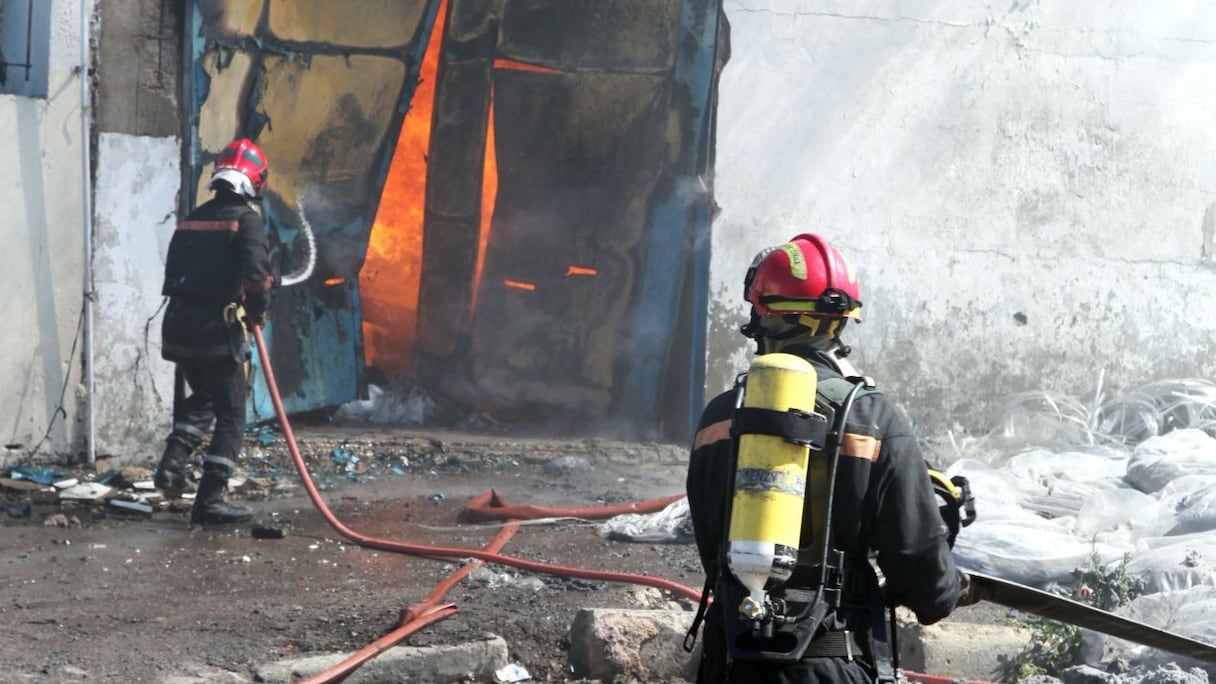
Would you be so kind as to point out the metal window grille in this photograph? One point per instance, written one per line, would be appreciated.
(24, 46)
(3, 63)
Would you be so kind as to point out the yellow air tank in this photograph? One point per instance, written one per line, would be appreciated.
(770, 481)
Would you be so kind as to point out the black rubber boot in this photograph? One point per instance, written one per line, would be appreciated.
(171, 475)
(209, 505)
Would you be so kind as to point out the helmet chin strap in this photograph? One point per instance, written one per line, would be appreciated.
(753, 330)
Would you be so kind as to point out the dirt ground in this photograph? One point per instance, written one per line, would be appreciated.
(92, 593)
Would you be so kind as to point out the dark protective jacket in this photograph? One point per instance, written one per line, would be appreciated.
(218, 258)
(884, 507)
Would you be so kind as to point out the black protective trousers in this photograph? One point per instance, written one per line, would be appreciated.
(214, 393)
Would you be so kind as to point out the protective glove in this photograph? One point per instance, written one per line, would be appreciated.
(255, 308)
(969, 592)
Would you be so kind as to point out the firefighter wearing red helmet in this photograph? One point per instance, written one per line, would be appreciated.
(799, 287)
(822, 619)
(218, 264)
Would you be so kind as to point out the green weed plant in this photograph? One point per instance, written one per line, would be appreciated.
(1056, 646)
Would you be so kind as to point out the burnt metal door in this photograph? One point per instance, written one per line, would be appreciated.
(510, 197)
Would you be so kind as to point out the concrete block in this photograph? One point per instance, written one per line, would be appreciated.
(468, 661)
(962, 650)
(647, 645)
(609, 644)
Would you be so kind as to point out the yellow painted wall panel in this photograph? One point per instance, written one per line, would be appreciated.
(349, 101)
(327, 119)
(357, 23)
(219, 116)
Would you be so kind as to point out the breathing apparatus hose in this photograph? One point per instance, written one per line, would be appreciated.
(445, 552)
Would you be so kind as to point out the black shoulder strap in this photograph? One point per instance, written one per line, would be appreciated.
(836, 389)
(690, 637)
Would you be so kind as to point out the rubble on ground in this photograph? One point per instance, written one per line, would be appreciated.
(36, 493)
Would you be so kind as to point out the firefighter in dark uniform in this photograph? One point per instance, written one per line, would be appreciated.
(218, 264)
(883, 508)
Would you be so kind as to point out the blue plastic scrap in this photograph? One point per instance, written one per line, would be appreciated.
(342, 456)
(266, 436)
(43, 476)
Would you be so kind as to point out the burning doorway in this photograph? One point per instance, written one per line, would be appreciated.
(510, 197)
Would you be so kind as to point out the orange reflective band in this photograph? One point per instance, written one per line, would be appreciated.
(518, 285)
(573, 270)
(711, 433)
(230, 226)
(335, 281)
(864, 447)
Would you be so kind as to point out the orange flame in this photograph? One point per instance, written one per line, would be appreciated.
(519, 285)
(523, 66)
(489, 197)
(391, 272)
(580, 271)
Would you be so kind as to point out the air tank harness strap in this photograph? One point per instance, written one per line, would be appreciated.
(834, 645)
(794, 426)
(690, 637)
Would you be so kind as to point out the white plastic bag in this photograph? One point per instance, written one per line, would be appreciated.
(1159, 460)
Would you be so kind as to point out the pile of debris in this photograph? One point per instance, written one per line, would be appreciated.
(63, 498)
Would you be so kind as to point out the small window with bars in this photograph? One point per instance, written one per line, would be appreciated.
(25, 28)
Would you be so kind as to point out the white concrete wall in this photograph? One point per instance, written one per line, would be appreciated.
(135, 214)
(1026, 187)
(41, 176)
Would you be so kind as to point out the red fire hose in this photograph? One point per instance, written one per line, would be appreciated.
(439, 551)
(418, 616)
(491, 505)
(422, 614)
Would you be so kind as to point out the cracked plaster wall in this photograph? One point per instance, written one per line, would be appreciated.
(134, 199)
(41, 201)
(1026, 188)
(137, 179)
(136, 211)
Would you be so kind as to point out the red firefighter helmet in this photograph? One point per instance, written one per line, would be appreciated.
(243, 166)
(805, 276)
